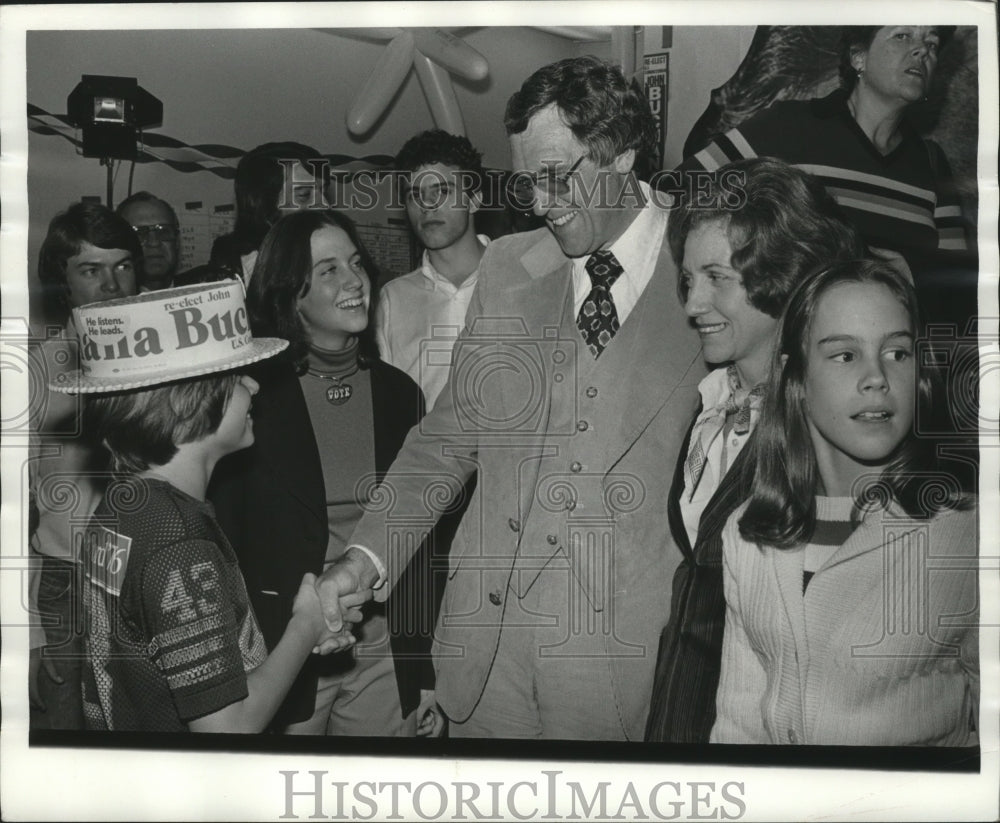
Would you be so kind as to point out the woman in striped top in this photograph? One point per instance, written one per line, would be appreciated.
(850, 574)
(895, 186)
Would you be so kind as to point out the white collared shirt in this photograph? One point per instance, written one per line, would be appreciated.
(637, 250)
(248, 261)
(420, 316)
(721, 452)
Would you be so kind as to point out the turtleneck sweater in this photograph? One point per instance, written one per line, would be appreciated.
(344, 428)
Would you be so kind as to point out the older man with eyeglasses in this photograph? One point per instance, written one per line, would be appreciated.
(568, 395)
(155, 223)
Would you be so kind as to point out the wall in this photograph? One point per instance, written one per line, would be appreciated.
(702, 58)
(243, 87)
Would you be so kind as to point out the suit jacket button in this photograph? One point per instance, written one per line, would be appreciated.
(591, 391)
(575, 467)
(495, 598)
(552, 539)
(514, 525)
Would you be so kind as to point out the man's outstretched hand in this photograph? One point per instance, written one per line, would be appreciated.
(342, 588)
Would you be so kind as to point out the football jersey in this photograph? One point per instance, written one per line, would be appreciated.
(170, 633)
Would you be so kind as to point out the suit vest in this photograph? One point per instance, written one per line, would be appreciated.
(572, 517)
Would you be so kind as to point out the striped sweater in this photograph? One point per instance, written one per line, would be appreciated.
(881, 649)
(902, 201)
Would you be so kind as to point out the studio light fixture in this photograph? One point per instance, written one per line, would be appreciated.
(110, 113)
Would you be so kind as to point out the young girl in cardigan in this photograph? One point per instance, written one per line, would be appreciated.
(850, 574)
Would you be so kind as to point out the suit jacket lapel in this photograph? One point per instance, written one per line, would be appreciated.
(541, 303)
(663, 352)
(674, 517)
(727, 498)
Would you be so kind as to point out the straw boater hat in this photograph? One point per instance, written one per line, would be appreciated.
(162, 336)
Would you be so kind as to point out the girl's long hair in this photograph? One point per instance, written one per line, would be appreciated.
(282, 274)
(782, 470)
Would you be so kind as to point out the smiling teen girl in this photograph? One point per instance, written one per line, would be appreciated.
(850, 575)
(329, 419)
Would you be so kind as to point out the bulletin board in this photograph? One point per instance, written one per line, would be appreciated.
(391, 246)
(200, 225)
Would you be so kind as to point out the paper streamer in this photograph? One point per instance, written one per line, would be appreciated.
(214, 158)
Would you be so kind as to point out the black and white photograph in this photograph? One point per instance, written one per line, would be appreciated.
(500, 411)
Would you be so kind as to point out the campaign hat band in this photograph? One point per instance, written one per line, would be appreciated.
(163, 336)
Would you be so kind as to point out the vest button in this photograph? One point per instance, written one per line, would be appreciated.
(495, 598)
(591, 391)
(792, 736)
(582, 426)
(575, 467)
(514, 525)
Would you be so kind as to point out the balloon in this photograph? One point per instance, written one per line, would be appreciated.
(433, 53)
(382, 84)
(590, 34)
(451, 52)
(623, 48)
(440, 95)
(365, 34)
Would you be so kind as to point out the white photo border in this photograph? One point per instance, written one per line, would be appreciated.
(84, 783)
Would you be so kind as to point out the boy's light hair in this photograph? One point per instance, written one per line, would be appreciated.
(142, 428)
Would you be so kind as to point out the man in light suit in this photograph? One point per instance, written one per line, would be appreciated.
(569, 393)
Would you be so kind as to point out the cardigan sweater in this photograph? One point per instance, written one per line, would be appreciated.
(881, 649)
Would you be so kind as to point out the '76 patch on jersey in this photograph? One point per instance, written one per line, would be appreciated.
(105, 557)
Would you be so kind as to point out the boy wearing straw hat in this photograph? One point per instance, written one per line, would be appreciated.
(172, 643)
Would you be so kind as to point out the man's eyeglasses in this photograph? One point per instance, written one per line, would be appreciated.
(529, 188)
(156, 233)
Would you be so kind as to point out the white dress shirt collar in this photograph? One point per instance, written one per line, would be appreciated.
(637, 250)
(438, 280)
